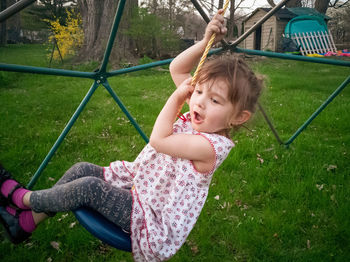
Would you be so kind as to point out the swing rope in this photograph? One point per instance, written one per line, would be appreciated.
(206, 51)
(202, 60)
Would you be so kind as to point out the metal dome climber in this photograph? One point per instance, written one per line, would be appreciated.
(95, 223)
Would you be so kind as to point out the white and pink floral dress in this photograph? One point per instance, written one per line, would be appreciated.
(168, 195)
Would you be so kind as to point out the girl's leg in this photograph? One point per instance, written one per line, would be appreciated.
(81, 169)
(78, 170)
(11, 192)
(81, 185)
(113, 203)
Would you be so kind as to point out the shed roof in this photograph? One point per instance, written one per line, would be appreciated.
(283, 13)
(307, 11)
(289, 13)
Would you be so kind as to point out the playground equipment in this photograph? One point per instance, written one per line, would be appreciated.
(311, 34)
(94, 222)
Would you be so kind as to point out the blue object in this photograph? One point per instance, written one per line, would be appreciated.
(103, 229)
(304, 24)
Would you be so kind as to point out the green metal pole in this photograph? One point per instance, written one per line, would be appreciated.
(319, 110)
(319, 60)
(112, 35)
(45, 71)
(15, 8)
(268, 121)
(63, 135)
(150, 65)
(126, 112)
(138, 67)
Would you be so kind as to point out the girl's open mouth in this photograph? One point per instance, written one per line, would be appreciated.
(197, 117)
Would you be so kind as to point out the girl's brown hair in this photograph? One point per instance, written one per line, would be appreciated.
(244, 86)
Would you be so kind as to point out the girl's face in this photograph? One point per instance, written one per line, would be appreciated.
(210, 108)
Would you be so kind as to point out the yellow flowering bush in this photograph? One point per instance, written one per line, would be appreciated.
(69, 37)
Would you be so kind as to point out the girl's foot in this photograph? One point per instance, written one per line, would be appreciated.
(4, 175)
(11, 192)
(19, 224)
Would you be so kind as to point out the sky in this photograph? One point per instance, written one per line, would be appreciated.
(253, 4)
(249, 6)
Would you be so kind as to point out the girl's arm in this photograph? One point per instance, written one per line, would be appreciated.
(192, 147)
(182, 65)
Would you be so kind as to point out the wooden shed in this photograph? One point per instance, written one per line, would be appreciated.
(268, 35)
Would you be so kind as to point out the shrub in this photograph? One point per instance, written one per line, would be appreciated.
(69, 37)
(154, 36)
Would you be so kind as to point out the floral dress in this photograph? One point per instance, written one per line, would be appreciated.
(168, 194)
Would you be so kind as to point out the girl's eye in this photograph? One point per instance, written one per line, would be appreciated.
(215, 101)
(199, 91)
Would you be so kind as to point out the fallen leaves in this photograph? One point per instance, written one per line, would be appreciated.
(104, 248)
(62, 217)
(29, 245)
(331, 168)
(193, 246)
(333, 198)
(55, 245)
(241, 205)
(259, 158)
(226, 204)
(319, 187)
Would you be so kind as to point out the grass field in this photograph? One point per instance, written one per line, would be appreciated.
(266, 202)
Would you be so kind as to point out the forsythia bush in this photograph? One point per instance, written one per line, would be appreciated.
(69, 37)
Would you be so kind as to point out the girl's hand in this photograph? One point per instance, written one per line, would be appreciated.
(216, 25)
(184, 90)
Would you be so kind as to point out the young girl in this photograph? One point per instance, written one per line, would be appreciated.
(159, 196)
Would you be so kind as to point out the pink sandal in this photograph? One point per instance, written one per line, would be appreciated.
(12, 226)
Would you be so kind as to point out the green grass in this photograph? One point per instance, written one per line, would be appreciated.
(275, 204)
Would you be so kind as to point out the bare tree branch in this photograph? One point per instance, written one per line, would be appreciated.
(334, 4)
(271, 3)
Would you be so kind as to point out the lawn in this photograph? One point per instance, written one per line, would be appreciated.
(266, 202)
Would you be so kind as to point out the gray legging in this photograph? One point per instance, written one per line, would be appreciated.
(84, 185)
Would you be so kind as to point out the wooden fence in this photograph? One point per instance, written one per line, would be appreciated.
(314, 42)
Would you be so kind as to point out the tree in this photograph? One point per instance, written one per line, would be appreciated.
(10, 28)
(231, 14)
(231, 22)
(290, 3)
(193, 26)
(97, 23)
(34, 18)
(153, 35)
(320, 5)
(3, 32)
(56, 9)
(340, 25)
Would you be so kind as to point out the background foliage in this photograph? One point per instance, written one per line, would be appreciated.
(153, 35)
(69, 37)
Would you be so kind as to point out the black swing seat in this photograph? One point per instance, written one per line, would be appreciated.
(103, 229)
